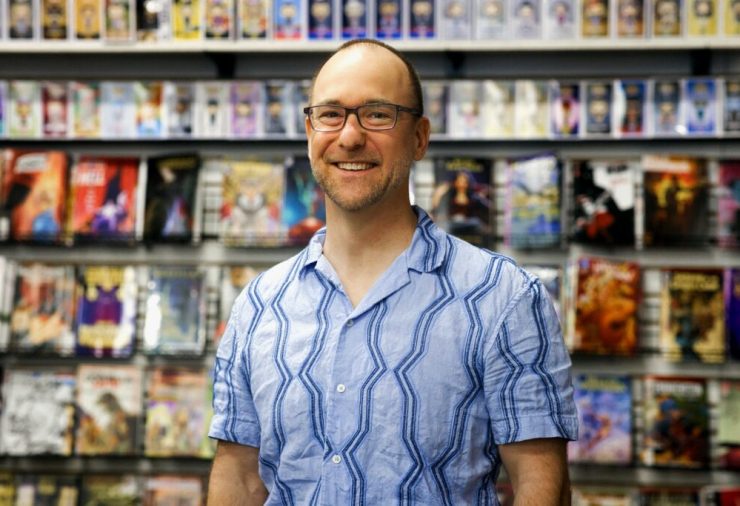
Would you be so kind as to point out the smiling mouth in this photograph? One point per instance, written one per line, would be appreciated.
(355, 166)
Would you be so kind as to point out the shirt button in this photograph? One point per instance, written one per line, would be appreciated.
(350, 323)
(336, 459)
(341, 388)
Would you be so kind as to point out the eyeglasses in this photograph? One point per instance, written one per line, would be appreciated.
(330, 118)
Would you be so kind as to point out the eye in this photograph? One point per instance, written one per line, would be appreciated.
(329, 114)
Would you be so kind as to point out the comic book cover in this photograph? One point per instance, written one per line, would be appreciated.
(491, 19)
(219, 22)
(565, 108)
(531, 112)
(54, 108)
(178, 414)
(676, 423)
(180, 490)
(667, 18)
(551, 278)
(435, 105)
(728, 424)
(732, 303)
(108, 409)
(304, 211)
(497, 109)
(461, 201)
(175, 311)
(532, 213)
(88, 19)
(103, 198)
(465, 109)
(34, 194)
(24, 109)
(119, 21)
(692, 315)
(153, 20)
(117, 110)
(253, 18)
(172, 183)
(252, 202)
(604, 405)
(654, 496)
(113, 490)
(301, 99)
(179, 104)
(288, 19)
(7, 489)
(527, 19)
(604, 202)
(321, 19)
(44, 305)
(728, 204)
(675, 201)
(701, 18)
(233, 280)
(106, 311)
(455, 20)
(700, 103)
(595, 18)
(355, 17)
(186, 16)
(666, 118)
(247, 107)
(22, 19)
(212, 108)
(560, 19)
(3, 108)
(46, 490)
(603, 496)
(54, 20)
(422, 19)
(148, 103)
(629, 17)
(731, 106)
(278, 108)
(389, 19)
(598, 109)
(630, 108)
(731, 17)
(606, 301)
(38, 412)
(85, 110)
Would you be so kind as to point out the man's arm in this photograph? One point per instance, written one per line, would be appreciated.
(538, 471)
(235, 479)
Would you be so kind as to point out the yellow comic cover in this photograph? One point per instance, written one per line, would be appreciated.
(701, 18)
(186, 16)
(732, 17)
(88, 16)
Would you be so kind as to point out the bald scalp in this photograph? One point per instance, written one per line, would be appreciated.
(413, 77)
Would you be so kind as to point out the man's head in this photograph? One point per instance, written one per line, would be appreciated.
(358, 166)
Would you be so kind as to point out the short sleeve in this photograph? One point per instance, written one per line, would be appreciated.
(234, 414)
(527, 372)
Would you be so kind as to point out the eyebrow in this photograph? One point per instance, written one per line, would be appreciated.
(366, 102)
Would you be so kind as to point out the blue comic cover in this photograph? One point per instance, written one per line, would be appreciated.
(565, 109)
(422, 19)
(630, 108)
(598, 108)
(700, 106)
(355, 19)
(732, 308)
(321, 19)
(666, 108)
(288, 19)
(301, 99)
(731, 106)
(604, 405)
(303, 206)
(388, 19)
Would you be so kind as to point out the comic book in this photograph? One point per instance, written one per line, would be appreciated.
(7, 489)
(728, 424)
(34, 194)
(288, 19)
(178, 414)
(422, 17)
(175, 311)
(667, 18)
(629, 18)
(699, 97)
(103, 198)
(728, 204)
(630, 108)
(675, 430)
(3, 108)
(54, 108)
(38, 412)
(120, 25)
(153, 20)
(565, 108)
(675, 200)
(551, 278)
(604, 405)
(278, 108)
(148, 104)
(355, 18)
(532, 213)
(304, 211)
(455, 20)
(54, 20)
(497, 109)
(526, 16)
(732, 306)
(603, 496)
(607, 297)
(465, 109)
(44, 305)
(595, 18)
(560, 19)
(85, 105)
(655, 496)
(46, 490)
(531, 112)
(212, 108)
(179, 106)
(252, 201)
(233, 281)
(117, 110)
(253, 18)
(24, 109)
(186, 18)
(88, 19)
(598, 109)
(219, 22)
(701, 18)
(105, 325)
(301, 99)
(731, 17)
(247, 110)
(730, 106)
(110, 490)
(22, 19)
(109, 402)
(389, 19)
(322, 19)
(171, 193)
(666, 118)
(490, 19)
(180, 490)
(692, 315)
(604, 202)
(435, 105)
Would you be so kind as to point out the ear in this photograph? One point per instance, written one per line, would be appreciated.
(421, 136)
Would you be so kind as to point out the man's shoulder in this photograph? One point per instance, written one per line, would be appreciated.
(271, 280)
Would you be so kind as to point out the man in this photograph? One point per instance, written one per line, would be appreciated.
(387, 363)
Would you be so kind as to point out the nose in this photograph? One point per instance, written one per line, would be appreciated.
(352, 135)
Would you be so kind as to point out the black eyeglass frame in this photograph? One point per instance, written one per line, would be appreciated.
(354, 110)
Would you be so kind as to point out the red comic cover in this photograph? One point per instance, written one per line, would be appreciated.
(54, 108)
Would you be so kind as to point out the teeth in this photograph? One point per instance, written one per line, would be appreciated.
(354, 166)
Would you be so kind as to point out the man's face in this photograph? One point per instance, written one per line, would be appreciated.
(357, 168)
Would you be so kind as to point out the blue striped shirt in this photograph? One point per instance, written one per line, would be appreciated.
(404, 398)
